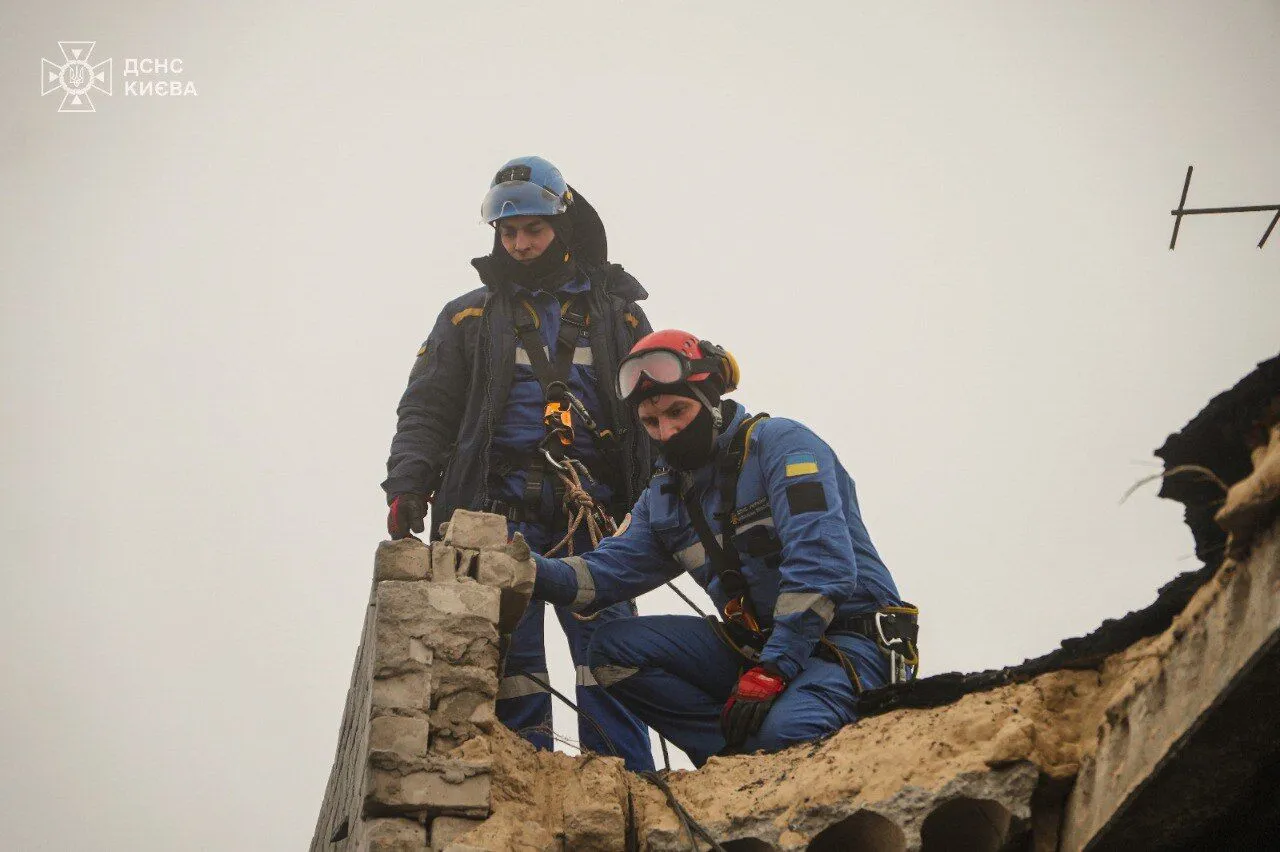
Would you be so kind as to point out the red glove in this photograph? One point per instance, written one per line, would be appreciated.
(746, 708)
(407, 513)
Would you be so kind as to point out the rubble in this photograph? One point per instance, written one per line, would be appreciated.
(1143, 734)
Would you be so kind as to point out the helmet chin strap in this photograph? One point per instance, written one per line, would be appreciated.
(717, 419)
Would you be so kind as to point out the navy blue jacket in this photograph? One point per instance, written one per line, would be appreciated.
(459, 384)
(806, 555)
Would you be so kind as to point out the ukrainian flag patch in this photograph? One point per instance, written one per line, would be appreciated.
(798, 464)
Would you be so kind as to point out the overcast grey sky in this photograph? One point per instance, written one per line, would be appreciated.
(936, 233)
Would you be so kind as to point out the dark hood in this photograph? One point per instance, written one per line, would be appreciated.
(590, 248)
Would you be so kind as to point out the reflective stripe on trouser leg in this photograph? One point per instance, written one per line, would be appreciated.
(678, 675)
(522, 705)
(518, 686)
(628, 734)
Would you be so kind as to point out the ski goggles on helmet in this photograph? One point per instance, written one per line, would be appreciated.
(662, 367)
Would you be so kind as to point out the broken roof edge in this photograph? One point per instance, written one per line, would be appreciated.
(1219, 438)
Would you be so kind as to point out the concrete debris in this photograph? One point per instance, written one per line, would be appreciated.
(1130, 737)
(445, 830)
(1253, 502)
(390, 835)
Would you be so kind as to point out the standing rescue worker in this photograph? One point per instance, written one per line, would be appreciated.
(514, 385)
(763, 515)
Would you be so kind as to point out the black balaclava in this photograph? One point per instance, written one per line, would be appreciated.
(550, 270)
(695, 444)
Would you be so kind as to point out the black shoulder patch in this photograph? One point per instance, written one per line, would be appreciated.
(806, 497)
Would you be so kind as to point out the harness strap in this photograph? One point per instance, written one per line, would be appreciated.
(726, 563)
(572, 321)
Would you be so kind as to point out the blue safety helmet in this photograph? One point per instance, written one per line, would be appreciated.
(526, 186)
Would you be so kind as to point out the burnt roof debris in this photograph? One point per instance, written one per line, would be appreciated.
(1216, 438)
(1080, 652)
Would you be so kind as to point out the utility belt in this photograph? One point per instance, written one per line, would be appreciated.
(894, 629)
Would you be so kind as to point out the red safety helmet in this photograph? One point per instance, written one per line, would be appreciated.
(672, 357)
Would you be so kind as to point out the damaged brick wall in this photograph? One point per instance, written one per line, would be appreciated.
(412, 754)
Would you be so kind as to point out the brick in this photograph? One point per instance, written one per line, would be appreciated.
(466, 598)
(402, 609)
(465, 706)
(391, 835)
(402, 695)
(406, 559)
(444, 562)
(403, 737)
(454, 679)
(436, 792)
(420, 623)
(474, 530)
(446, 829)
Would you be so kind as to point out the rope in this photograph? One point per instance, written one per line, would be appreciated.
(580, 508)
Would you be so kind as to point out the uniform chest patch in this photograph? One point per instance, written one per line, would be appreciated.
(753, 511)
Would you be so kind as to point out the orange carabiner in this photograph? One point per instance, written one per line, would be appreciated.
(734, 611)
(558, 419)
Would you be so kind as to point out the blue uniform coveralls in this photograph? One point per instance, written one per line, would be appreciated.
(807, 558)
(522, 705)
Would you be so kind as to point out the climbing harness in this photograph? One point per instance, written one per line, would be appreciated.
(894, 629)
(562, 414)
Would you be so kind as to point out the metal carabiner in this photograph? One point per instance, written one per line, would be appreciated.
(550, 460)
(885, 643)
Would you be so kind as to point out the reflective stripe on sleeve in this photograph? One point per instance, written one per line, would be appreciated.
(693, 556)
(763, 522)
(790, 603)
(586, 585)
(585, 677)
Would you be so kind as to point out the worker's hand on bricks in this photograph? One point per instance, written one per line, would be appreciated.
(746, 708)
(407, 514)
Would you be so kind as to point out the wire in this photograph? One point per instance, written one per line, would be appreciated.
(613, 750)
(692, 827)
(686, 598)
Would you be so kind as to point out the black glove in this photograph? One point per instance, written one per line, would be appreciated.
(746, 708)
(407, 513)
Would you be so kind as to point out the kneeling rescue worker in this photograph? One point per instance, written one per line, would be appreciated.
(762, 514)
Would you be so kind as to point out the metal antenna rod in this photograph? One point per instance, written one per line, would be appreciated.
(1183, 210)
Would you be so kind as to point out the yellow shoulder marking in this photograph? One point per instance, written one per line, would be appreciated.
(467, 312)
